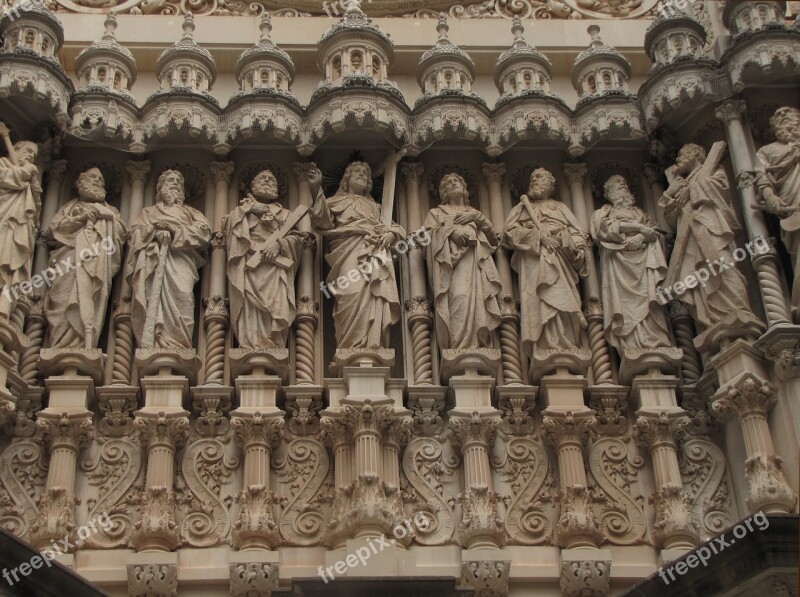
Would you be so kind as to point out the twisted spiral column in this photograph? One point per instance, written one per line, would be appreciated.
(684, 337)
(772, 291)
(306, 324)
(216, 333)
(509, 341)
(122, 368)
(601, 359)
(419, 319)
(35, 327)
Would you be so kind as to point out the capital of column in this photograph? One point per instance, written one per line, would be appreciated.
(217, 240)
(654, 429)
(335, 431)
(473, 430)
(575, 173)
(138, 170)
(302, 170)
(222, 171)
(216, 308)
(494, 172)
(730, 110)
(65, 430)
(412, 171)
(750, 395)
(397, 430)
(257, 430)
(172, 430)
(57, 171)
(568, 427)
(367, 416)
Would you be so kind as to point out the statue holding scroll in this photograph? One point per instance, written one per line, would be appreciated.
(89, 233)
(263, 255)
(699, 200)
(632, 264)
(362, 272)
(20, 206)
(462, 273)
(166, 251)
(778, 182)
(550, 254)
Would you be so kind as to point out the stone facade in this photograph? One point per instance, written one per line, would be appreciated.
(366, 290)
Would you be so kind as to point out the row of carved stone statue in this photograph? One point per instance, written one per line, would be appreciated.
(551, 253)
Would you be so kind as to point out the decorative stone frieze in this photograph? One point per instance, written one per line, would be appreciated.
(488, 578)
(153, 580)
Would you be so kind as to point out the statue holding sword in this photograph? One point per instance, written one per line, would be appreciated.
(264, 251)
(166, 252)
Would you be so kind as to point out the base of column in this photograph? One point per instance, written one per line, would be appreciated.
(656, 392)
(473, 362)
(361, 357)
(543, 362)
(69, 393)
(165, 392)
(165, 362)
(271, 361)
(563, 391)
(57, 361)
(738, 358)
(473, 393)
(665, 360)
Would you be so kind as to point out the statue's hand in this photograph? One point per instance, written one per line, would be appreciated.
(773, 203)
(635, 243)
(648, 234)
(271, 252)
(551, 243)
(163, 236)
(466, 217)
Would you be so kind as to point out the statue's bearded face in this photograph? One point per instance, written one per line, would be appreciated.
(265, 186)
(26, 152)
(172, 192)
(617, 192)
(359, 179)
(542, 184)
(452, 189)
(689, 158)
(786, 124)
(91, 186)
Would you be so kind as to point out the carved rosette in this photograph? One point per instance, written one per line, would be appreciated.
(255, 527)
(153, 580)
(487, 578)
(585, 578)
(253, 578)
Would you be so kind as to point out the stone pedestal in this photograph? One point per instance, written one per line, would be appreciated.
(485, 571)
(585, 571)
(254, 572)
(152, 574)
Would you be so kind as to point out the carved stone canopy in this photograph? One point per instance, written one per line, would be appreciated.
(522, 67)
(265, 65)
(186, 64)
(600, 69)
(106, 63)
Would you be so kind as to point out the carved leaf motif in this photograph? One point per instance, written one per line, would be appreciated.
(524, 467)
(303, 471)
(623, 519)
(425, 467)
(114, 472)
(206, 470)
(703, 474)
(21, 477)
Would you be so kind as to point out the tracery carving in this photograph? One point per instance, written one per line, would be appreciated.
(705, 481)
(23, 472)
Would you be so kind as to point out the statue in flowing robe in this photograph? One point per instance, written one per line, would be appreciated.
(698, 202)
(166, 250)
(20, 206)
(362, 275)
(778, 182)
(262, 292)
(632, 263)
(550, 254)
(462, 273)
(90, 233)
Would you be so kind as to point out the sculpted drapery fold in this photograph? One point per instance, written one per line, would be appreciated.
(166, 250)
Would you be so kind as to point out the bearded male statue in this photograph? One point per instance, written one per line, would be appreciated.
(698, 200)
(550, 254)
(20, 206)
(632, 263)
(260, 275)
(368, 306)
(462, 273)
(90, 233)
(778, 183)
(166, 251)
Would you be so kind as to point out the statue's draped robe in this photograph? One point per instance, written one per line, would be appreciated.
(19, 215)
(262, 298)
(551, 316)
(78, 298)
(366, 308)
(175, 312)
(780, 164)
(634, 318)
(464, 281)
(706, 233)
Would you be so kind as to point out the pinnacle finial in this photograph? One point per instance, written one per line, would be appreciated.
(111, 25)
(354, 6)
(594, 31)
(188, 26)
(518, 29)
(265, 27)
(442, 28)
